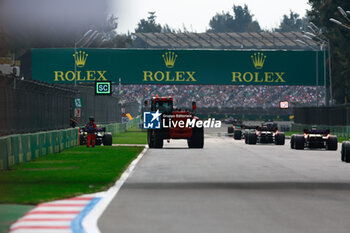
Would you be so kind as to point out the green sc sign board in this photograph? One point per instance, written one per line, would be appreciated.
(103, 88)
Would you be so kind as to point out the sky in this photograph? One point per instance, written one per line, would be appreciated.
(196, 14)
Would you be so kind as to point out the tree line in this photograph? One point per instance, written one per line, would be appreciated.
(240, 19)
(339, 38)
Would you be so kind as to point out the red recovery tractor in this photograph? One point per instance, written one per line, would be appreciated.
(178, 124)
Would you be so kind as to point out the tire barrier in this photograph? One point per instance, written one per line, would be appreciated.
(19, 148)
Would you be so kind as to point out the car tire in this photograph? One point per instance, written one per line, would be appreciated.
(332, 143)
(237, 134)
(346, 153)
(98, 142)
(82, 140)
(292, 141)
(299, 142)
(252, 138)
(342, 152)
(107, 139)
(280, 139)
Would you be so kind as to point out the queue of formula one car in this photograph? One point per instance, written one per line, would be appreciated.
(265, 133)
(268, 132)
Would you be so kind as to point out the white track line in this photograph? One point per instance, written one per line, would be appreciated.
(50, 216)
(90, 221)
(59, 208)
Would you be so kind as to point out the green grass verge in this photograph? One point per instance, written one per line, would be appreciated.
(342, 139)
(10, 213)
(132, 136)
(288, 134)
(76, 171)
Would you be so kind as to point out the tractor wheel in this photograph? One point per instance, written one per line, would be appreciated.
(346, 151)
(150, 138)
(252, 138)
(299, 142)
(292, 142)
(197, 139)
(237, 134)
(158, 139)
(107, 139)
(230, 130)
(332, 143)
(280, 139)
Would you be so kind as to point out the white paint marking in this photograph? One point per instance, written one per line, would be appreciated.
(59, 208)
(51, 216)
(90, 221)
(42, 231)
(42, 224)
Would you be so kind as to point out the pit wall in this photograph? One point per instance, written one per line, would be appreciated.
(20, 148)
(340, 131)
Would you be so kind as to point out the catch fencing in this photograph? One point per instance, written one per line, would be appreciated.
(105, 109)
(329, 116)
(28, 106)
(334, 118)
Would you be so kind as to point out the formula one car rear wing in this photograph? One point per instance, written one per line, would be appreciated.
(317, 131)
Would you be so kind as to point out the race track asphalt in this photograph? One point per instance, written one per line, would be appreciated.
(232, 187)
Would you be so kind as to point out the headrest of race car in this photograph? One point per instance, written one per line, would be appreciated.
(101, 129)
(267, 128)
(317, 131)
(250, 126)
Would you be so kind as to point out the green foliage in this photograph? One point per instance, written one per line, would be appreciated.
(240, 21)
(320, 13)
(292, 23)
(149, 24)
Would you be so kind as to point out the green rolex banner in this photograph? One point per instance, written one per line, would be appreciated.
(148, 66)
